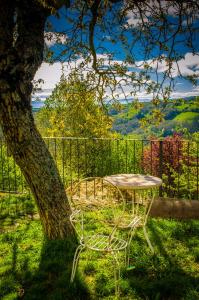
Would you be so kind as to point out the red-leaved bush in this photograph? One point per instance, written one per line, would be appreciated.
(164, 157)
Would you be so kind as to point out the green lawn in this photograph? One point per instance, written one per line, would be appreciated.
(33, 268)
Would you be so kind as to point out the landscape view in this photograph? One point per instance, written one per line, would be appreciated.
(180, 115)
(99, 150)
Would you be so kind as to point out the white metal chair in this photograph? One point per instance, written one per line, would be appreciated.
(98, 208)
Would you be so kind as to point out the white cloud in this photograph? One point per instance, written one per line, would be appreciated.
(52, 38)
(185, 94)
(42, 95)
(143, 96)
(51, 74)
(154, 8)
(133, 18)
(189, 65)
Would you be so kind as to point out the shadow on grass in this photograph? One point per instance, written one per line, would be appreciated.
(160, 276)
(52, 279)
(36, 269)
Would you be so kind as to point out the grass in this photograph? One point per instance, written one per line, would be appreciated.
(186, 117)
(32, 267)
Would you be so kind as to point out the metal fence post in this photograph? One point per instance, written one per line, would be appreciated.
(160, 164)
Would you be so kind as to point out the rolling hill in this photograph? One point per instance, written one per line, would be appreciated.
(179, 115)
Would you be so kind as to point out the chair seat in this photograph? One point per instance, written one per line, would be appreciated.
(104, 243)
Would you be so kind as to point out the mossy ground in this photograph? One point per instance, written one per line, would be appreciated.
(32, 267)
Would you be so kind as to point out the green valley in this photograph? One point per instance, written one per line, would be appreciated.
(180, 115)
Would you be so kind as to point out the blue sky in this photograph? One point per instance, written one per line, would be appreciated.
(189, 65)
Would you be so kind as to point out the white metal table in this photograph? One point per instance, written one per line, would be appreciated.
(134, 181)
(142, 189)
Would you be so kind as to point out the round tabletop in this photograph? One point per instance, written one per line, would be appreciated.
(134, 181)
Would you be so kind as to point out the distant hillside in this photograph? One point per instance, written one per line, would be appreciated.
(187, 116)
(37, 105)
(178, 114)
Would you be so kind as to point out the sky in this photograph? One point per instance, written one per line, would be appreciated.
(188, 65)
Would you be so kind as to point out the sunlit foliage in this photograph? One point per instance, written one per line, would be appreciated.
(73, 110)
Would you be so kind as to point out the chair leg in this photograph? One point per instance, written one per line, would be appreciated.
(148, 240)
(116, 275)
(75, 261)
(128, 247)
(128, 256)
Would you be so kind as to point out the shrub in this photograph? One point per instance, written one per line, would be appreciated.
(175, 161)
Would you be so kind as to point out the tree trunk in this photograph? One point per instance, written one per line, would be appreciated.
(32, 155)
(22, 26)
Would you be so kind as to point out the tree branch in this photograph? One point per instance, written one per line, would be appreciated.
(94, 10)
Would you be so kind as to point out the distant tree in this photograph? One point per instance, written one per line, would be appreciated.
(73, 110)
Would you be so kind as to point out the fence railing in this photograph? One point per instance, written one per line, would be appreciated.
(176, 162)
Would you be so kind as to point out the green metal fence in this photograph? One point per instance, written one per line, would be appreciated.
(176, 163)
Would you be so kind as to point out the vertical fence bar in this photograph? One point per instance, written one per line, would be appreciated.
(197, 171)
(188, 170)
(151, 145)
(78, 166)
(126, 155)
(2, 161)
(55, 150)
(178, 169)
(91, 161)
(70, 162)
(48, 143)
(8, 171)
(160, 164)
(110, 157)
(134, 156)
(142, 157)
(102, 157)
(15, 177)
(118, 156)
(169, 169)
(63, 160)
(21, 181)
(85, 157)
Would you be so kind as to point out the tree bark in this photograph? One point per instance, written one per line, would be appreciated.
(21, 52)
(31, 154)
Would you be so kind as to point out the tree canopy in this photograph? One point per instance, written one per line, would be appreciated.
(126, 43)
(73, 110)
